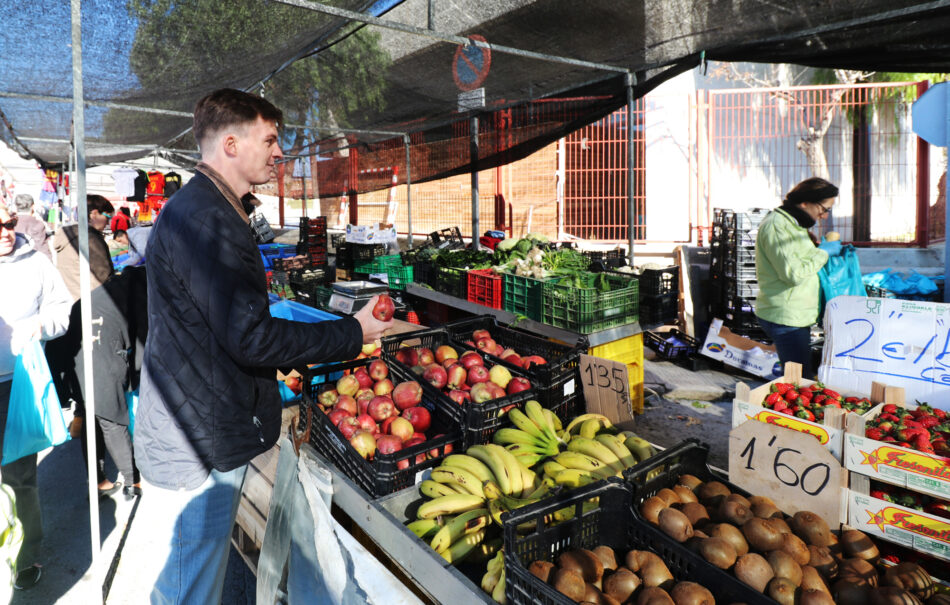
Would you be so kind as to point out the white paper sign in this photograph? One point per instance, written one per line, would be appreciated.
(898, 342)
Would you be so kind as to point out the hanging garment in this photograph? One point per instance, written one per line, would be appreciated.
(124, 181)
(172, 183)
(156, 185)
(141, 184)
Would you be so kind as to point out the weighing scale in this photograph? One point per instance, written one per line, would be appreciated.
(350, 296)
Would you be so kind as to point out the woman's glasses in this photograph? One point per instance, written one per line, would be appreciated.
(824, 210)
(10, 225)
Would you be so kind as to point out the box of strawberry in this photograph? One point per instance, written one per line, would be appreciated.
(801, 405)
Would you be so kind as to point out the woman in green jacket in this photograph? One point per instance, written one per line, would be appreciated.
(786, 265)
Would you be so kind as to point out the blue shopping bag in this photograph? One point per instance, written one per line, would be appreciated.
(132, 404)
(34, 417)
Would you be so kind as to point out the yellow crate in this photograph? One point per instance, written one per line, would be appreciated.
(628, 351)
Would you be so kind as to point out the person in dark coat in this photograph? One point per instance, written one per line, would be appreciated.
(209, 401)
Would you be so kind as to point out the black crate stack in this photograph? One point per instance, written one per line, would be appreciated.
(313, 239)
(732, 272)
(659, 295)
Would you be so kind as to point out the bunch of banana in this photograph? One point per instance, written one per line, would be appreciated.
(493, 582)
(595, 451)
(534, 435)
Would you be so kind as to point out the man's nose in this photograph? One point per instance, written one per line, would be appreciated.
(278, 153)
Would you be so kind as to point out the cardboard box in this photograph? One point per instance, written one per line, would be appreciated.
(370, 234)
(740, 352)
(912, 528)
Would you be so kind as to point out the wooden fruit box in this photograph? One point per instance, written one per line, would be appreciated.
(911, 528)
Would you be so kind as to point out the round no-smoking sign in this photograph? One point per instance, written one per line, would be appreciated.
(471, 64)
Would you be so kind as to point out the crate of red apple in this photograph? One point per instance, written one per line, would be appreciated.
(481, 391)
(377, 424)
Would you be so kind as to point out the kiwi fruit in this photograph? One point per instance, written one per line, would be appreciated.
(783, 591)
(855, 543)
(621, 584)
(812, 580)
(685, 494)
(653, 571)
(892, 595)
(651, 507)
(541, 570)
(675, 524)
(584, 562)
(669, 496)
(761, 535)
(821, 559)
(752, 569)
(695, 512)
(719, 552)
(811, 528)
(712, 492)
(939, 599)
(910, 577)
(784, 566)
(850, 591)
(691, 593)
(732, 534)
(733, 511)
(779, 524)
(606, 556)
(794, 546)
(595, 596)
(690, 481)
(654, 595)
(764, 507)
(860, 570)
(815, 597)
(740, 499)
(569, 583)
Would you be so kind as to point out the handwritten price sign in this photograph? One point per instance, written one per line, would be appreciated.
(790, 467)
(606, 385)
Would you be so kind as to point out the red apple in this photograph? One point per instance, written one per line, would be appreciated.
(402, 428)
(436, 376)
(455, 377)
(378, 369)
(426, 357)
(445, 352)
(486, 344)
(449, 362)
(508, 352)
(446, 450)
(348, 385)
(419, 417)
(407, 394)
(346, 402)
(470, 359)
(388, 444)
(381, 408)
(348, 426)
(414, 440)
(402, 464)
(362, 400)
(532, 360)
(365, 380)
(383, 387)
(459, 396)
(364, 444)
(328, 398)
(367, 423)
(518, 384)
(498, 350)
(478, 374)
(470, 343)
(480, 335)
(338, 415)
(496, 391)
(384, 425)
(293, 383)
(481, 392)
(403, 356)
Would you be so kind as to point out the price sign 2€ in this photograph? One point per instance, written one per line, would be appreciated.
(791, 468)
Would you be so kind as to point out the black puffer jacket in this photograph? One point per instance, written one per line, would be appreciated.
(208, 396)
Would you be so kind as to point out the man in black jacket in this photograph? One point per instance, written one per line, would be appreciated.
(209, 401)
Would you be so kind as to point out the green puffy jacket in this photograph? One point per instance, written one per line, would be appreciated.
(786, 265)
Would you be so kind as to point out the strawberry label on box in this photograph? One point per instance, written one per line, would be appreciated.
(918, 471)
(905, 526)
(830, 437)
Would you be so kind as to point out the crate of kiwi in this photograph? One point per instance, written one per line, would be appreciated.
(795, 560)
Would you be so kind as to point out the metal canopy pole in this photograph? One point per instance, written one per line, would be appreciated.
(405, 140)
(92, 576)
(631, 204)
(473, 147)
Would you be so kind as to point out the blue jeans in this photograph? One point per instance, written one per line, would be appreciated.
(792, 344)
(201, 537)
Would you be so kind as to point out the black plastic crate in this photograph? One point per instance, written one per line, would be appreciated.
(659, 282)
(671, 345)
(424, 273)
(479, 420)
(556, 381)
(659, 308)
(381, 475)
(365, 252)
(662, 470)
(452, 281)
(449, 238)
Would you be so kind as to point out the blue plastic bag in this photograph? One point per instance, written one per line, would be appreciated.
(132, 404)
(841, 276)
(34, 417)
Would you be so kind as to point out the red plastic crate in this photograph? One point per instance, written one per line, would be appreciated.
(485, 287)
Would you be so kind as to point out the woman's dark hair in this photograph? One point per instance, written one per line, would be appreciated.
(812, 190)
(97, 202)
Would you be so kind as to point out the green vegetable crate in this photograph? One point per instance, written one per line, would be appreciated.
(399, 276)
(380, 264)
(590, 302)
(524, 296)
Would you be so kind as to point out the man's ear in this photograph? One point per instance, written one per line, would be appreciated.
(229, 144)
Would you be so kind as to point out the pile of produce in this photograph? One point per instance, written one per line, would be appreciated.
(531, 257)
(463, 259)
(483, 341)
(910, 499)
(794, 560)
(809, 402)
(374, 415)
(462, 378)
(925, 429)
(596, 576)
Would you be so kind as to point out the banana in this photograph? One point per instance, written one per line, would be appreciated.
(595, 449)
(470, 464)
(521, 448)
(491, 489)
(493, 571)
(512, 466)
(541, 492)
(496, 463)
(527, 459)
(498, 594)
(484, 552)
(424, 528)
(463, 546)
(450, 474)
(639, 447)
(495, 509)
(466, 523)
(510, 436)
(550, 467)
(553, 420)
(434, 489)
(574, 477)
(524, 423)
(615, 444)
(585, 463)
(449, 505)
(584, 417)
(536, 413)
(589, 428)
(528, 478)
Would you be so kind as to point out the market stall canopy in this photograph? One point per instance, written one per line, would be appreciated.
(372, 84)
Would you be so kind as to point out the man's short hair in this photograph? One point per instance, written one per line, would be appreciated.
(97, 202)
(23, 202)
(230, 107)
(120, 233)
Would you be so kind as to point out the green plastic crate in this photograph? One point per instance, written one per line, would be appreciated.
(399, 276)
(380, 264)
(523, 296)
(586, 310)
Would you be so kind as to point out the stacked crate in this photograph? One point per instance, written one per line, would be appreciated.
(313, 239)
(659, 295)
(732, 270)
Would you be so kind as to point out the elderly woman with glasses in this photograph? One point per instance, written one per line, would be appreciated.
(35, 305)
(786, 266)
